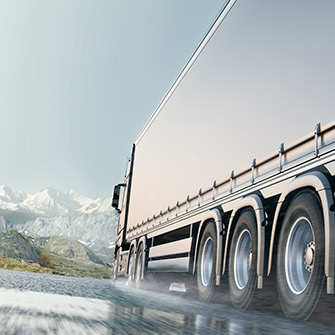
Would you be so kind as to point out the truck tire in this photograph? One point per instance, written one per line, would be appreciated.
(206, 263)
(242, 260)
(300, 261)
(131, 268)
(139, 266)
(116, 265)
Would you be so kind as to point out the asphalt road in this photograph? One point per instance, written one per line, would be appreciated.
(136, 311)
(45, 304)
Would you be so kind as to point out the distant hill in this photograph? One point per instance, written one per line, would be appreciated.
(17, 217)
(67, 257)
(14, 245)
(68, 248)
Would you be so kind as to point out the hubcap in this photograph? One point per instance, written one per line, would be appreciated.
(207, 261)
(243, 259)
(249, 260)
(299, 255)
(309, 256)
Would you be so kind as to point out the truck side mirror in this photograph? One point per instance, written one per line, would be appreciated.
(116, 196)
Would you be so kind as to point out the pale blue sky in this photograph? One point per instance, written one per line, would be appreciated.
(78, 81)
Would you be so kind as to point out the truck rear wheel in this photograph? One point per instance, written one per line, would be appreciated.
(242, 261)
(139, 267)
(131, 268)
(300, 262)
(206, 263)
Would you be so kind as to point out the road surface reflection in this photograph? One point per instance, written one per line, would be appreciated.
(148, 313)
(61, 305)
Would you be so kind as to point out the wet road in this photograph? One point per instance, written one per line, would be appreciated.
(45, 304)
(139, 312)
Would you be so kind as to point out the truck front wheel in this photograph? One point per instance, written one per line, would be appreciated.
(300, 261)
(206, 263)
(116, 265)
(242, 260)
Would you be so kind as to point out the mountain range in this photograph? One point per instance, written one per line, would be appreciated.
(50, 212)
(50, 202)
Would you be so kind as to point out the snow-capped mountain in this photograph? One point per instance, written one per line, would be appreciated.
(8, 194)
(50, 202)
(54, 213)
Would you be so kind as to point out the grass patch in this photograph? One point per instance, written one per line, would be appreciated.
(79, 268)
(13, 264)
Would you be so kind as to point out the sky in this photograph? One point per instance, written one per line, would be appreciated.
(79, 80)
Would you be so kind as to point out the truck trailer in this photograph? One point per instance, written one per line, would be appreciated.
(202, 196)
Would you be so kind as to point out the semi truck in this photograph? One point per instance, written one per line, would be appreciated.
(203, 197)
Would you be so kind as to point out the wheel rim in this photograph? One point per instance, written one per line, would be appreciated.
(243, 259)
(139, 268)
(207, 261)
(299, 255)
